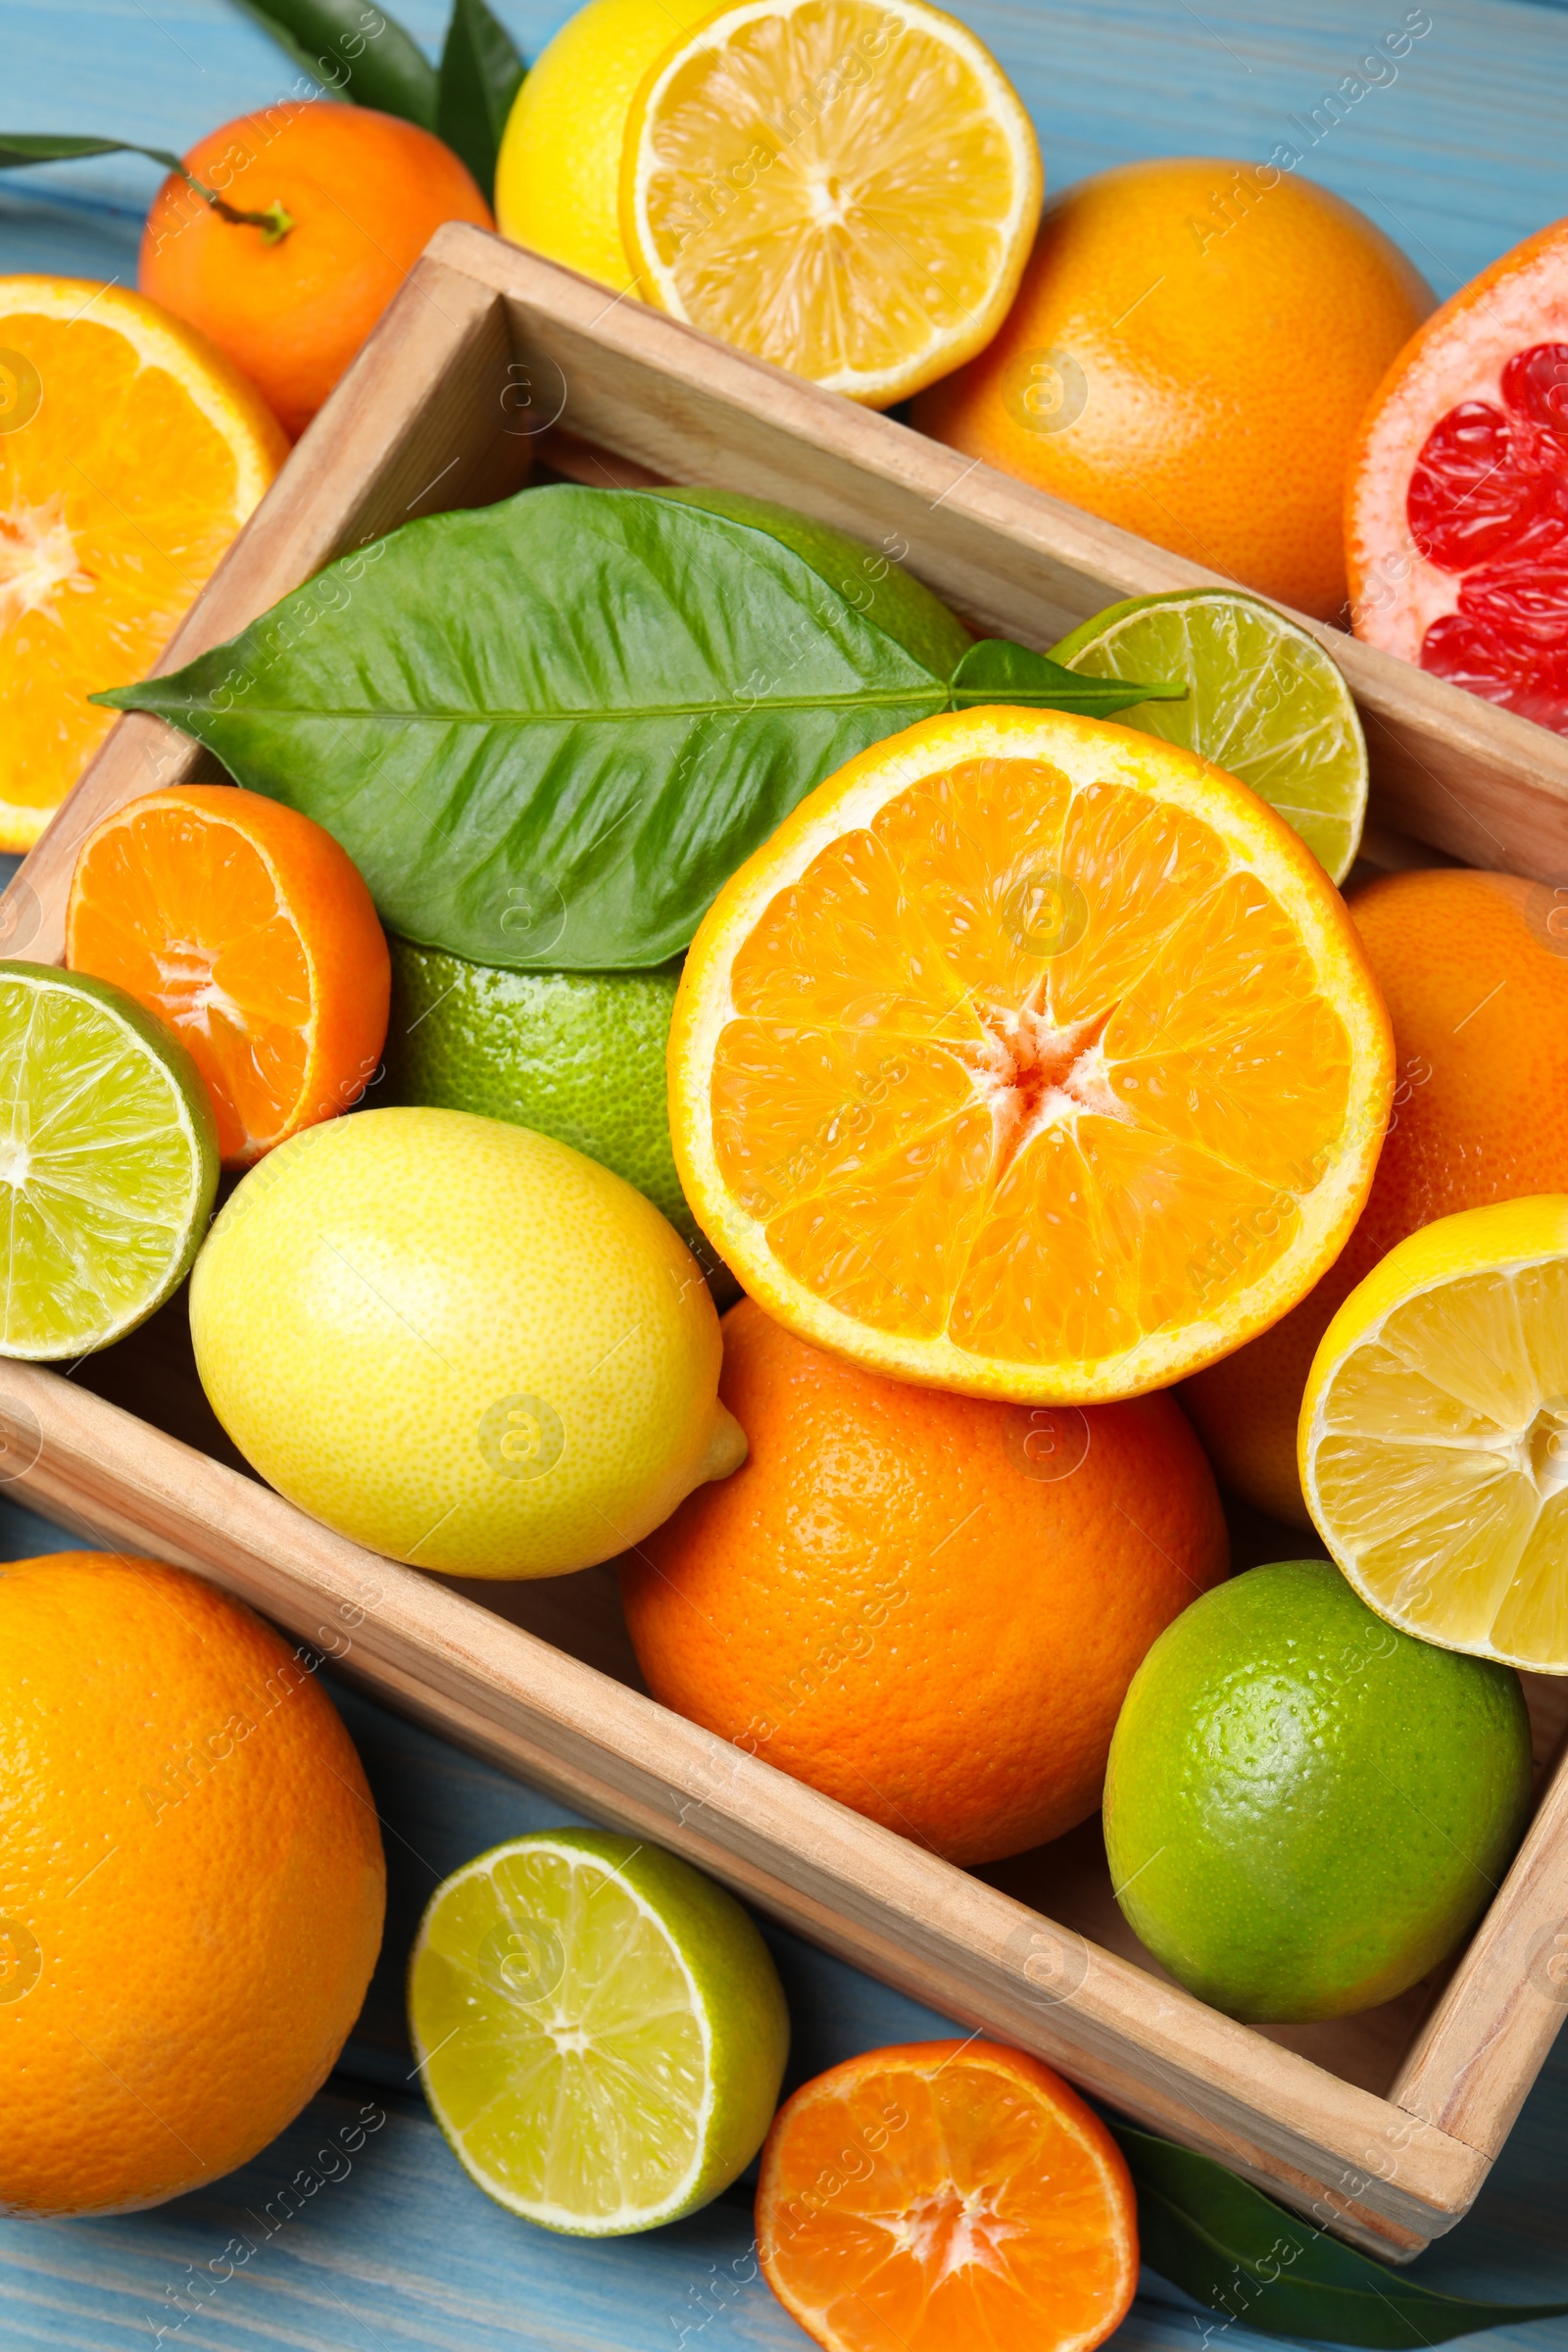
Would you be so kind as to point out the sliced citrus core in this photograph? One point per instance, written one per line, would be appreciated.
(1032, 1057)
(247, 928)
(848, 187)
(130, 453)
(1433, 1436)
(941, 2194)
(599, 2030)
(108, 1162)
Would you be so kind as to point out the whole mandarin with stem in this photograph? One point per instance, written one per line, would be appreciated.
(342, 202)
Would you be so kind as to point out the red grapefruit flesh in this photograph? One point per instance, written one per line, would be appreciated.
(1458, 515)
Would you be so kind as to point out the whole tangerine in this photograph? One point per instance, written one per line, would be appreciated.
(350, 198)
(1474, 969)
(191, 1884)
(928, 1606)
(1189, 356)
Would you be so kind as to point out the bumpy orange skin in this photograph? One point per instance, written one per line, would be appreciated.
(163, 890)
(928, 1606)
(1189, 356)
(365, 194)
(947, 2193)
(191, 1884)
(1474, 969)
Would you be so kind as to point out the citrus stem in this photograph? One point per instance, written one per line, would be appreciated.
(275, 223)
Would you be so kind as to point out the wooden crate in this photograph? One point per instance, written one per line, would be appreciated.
(1382, 2126)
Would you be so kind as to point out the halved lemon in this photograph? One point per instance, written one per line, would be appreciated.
(1434, 1433)
(850, 189)
(130, 453)
(1031, 1057)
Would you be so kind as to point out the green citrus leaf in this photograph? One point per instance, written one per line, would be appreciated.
(355, 52)
(18, 147)
(997, 672)
(481, 74)
(548, 731)
(1227, 2245)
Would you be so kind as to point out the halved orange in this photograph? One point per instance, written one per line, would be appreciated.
(847, 187)
(1030, 1058)
(250, 932)
(130, 453)
(944, 2194)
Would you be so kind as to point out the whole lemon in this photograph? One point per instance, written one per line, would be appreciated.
(558, 177)
(191, 1884)
(461, 1344)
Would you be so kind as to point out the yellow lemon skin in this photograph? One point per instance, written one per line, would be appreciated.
(461, 1343)
(1448, 1357)
(558, 177)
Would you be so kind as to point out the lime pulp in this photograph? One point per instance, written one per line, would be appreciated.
(1264, 700)
(108, 1157)
(599, 2030)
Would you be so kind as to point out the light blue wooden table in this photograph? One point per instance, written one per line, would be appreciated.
(1462, 154)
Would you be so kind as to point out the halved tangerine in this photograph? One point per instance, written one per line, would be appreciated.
(1030, 1058)
(1456, 536)
(941, 2194)
(248, 928)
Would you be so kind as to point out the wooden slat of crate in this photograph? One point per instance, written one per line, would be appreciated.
(862, 1891)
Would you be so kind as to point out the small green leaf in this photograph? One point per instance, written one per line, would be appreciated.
(354, 52)
(1227, 2245)
(18, 147)
(996, 670)
(546, 731)
(481, 72)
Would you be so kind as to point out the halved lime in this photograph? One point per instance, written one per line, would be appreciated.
(601, 2031)
(108, 1162)
(1264, 700)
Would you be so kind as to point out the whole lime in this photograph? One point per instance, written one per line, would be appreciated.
(900, 606)
(579, 1055)
(461, 1343)
(1307, 1809)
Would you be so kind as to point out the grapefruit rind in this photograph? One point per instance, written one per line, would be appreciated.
(1089, 754)
(1456, 356)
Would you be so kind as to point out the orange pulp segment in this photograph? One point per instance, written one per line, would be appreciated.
(847, 187)
(946, 2193)
(130, 453)
(251, 933)
(1029, 1057)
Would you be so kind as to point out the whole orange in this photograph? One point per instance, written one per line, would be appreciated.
(1474, 969)
(1188, 356)
(358, 195)
(191, 1884)
(927, 1606)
